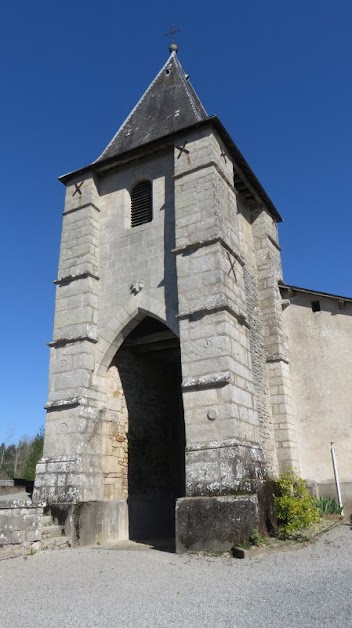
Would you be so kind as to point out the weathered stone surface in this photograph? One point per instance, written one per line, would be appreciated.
(20, 527)
(195, 289)
(223, 468)
(103, 522)
(214, 524)
(209, 381)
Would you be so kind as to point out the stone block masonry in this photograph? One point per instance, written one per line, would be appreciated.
(196, 270)
(215, 524)
(169, 372)
(268, 260)
(213, 313)
(20, 527)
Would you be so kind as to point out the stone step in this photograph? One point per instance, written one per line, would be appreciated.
(11, 551)
(56, 543)
(52, 531)
(47, 520)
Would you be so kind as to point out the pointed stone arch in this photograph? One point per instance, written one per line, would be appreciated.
(122, 323)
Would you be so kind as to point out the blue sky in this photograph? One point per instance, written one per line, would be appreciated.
(277, 73)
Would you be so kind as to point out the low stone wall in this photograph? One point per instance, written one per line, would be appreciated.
(20, 527)
(8, 486)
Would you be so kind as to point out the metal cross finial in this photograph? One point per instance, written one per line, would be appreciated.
(172, 33)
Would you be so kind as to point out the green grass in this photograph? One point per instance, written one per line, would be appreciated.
(329, 506)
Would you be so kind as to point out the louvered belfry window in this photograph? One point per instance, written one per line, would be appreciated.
(141, 203)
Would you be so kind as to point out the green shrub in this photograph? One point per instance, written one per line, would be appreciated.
(329, 506)
(295, 507)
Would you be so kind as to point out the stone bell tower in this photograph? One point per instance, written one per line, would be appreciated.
(168, 353)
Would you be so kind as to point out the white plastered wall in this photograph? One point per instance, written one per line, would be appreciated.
(320, 351)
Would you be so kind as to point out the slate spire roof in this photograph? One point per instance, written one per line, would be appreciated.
(169, 104)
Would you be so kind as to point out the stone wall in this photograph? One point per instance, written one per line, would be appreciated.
(268, 258)
(217, 291)
(7, 487)
(71, 465)
(194, 267)
(140, 254)
(115, 462)
(20, 527)
(213, 324)
(101, 258)
(259, 369)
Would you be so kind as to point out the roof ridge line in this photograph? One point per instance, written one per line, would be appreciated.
(172, 55)
(187, 90)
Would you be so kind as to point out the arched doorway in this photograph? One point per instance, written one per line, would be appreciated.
(149, 367)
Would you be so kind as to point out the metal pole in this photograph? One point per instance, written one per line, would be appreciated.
(338, 490)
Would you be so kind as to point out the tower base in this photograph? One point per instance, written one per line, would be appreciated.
(215, 524)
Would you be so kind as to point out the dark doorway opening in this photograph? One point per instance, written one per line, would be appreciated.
(149, 365)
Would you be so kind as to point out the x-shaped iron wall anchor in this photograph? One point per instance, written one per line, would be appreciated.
(182, 149)
(232, 264)
(78, 188)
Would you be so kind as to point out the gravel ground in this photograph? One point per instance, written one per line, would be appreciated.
(305, 587)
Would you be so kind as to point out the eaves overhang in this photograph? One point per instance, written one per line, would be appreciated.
(244, 178)
(313, 293)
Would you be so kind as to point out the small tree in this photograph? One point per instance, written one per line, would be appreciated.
(34, 454)
(20, 456)
(5, 445)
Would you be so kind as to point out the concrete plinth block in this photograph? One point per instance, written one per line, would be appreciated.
(87, 523)
(215, 524)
